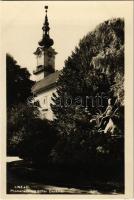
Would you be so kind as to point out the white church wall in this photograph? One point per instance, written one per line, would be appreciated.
(40, 60)
(44, 99)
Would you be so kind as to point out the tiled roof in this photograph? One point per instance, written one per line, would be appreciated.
(46, 83)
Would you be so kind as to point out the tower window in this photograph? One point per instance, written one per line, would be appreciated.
(45, 100)
(37, 103)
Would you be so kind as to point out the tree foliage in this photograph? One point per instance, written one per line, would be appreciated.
(18, 82)
(95, 68)
(29, 137)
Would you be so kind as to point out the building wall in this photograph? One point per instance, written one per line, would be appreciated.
(44, 99)
(40, 60)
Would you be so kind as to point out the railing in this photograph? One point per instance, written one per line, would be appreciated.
(38, 69)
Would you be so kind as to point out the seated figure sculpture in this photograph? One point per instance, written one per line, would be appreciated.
(106, 116)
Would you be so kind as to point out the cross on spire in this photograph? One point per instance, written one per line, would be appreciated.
(45, 27)
(46, 7)
(46, 40)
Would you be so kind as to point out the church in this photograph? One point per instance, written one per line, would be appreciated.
(45, 73)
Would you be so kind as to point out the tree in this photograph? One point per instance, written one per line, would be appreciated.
(18, 90)
(29, 137)
(20, 119)
(92, 70)
(18, 82)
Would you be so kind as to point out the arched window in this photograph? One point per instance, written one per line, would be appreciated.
(37, 103)
(45, 100)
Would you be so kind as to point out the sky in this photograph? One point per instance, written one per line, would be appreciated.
(69, 21)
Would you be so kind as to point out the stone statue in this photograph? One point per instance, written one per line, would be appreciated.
(106, 115)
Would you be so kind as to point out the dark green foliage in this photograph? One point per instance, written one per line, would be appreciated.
(96, 67)
(28, 136)
(37, 143)
(18, 82)
(19, 120)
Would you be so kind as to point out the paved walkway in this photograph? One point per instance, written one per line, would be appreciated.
(13, 158)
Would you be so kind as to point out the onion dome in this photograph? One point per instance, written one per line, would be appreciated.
(46, 41)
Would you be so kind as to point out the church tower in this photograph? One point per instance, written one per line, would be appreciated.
(45, 54)
(46, 75)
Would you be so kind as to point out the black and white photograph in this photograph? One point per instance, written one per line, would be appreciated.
(65, 69)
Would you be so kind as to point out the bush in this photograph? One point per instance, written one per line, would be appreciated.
(30, 137)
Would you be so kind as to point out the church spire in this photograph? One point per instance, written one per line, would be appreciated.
(45, 53)
(45, 27)
(46, 41)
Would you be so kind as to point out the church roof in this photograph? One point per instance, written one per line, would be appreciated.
(46, 83)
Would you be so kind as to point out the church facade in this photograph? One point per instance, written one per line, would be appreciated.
(45, 73)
